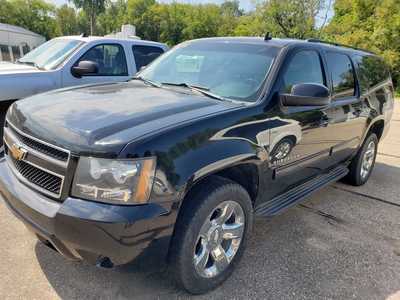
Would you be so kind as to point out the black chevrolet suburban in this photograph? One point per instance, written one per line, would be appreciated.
(178, 161)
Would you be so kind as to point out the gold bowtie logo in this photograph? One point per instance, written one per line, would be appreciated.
(18, 152)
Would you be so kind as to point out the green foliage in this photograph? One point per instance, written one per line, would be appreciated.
(369, 24)
(291, 18)
(91, 8)
(67, 20)
(35, 15)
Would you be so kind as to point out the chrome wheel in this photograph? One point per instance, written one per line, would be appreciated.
(368, 160)
(282, 150)
(219, 239)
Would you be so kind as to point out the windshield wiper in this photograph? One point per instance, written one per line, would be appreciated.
(148, 81)
(30, 63)
(201, 89)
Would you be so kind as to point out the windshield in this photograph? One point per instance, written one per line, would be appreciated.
(228, 69)
(50, 54)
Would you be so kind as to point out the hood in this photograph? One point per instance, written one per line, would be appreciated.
(102, 119)
(8, 68)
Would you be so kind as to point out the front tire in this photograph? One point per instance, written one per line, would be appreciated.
(363, 163)
(210, 235)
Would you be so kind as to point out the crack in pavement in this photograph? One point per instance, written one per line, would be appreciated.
(389, 155)
(323, 214)
(365, 195)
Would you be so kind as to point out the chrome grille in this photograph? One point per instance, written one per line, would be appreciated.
(39, 177)
(40, 146)
(43, 167)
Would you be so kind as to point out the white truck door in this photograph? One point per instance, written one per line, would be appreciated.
(111, 59)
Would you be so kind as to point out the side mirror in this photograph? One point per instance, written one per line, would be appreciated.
(306, 94)
(85, 67)
(142, 68)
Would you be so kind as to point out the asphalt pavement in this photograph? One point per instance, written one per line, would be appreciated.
(342, 243)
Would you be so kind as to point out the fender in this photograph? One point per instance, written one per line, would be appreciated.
(192, 152)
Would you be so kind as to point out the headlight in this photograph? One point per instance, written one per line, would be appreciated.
(114, 181)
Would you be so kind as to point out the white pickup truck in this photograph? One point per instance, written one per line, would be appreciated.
(75, 60)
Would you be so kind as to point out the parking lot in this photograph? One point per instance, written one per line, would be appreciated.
(343, 243)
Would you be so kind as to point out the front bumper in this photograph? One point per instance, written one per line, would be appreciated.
(87, 230)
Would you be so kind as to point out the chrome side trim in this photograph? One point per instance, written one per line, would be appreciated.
(40, 141)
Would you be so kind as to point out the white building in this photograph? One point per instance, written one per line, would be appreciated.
(17, 41)
(128, 31)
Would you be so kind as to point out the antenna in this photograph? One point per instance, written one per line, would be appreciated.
(267, 36)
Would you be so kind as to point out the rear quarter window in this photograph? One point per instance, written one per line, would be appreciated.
(371, 71)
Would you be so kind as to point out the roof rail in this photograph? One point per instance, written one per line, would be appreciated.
(337, 44)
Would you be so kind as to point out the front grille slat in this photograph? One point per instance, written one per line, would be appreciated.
(42, 175)
(36, 176)
(53, 152)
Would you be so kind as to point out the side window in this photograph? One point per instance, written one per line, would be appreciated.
(145, 54)
(342, 75)
(304, 67)
(110, 58)
(5, 53)
(371, 71)
(16, 52)
(25, 48)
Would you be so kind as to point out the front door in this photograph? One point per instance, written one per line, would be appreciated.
(300, 149)
(111, 61)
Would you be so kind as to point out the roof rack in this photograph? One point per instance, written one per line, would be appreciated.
(337, 44)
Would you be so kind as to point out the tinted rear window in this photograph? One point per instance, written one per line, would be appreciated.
(371, 71)
(342, 74)
(145, 55)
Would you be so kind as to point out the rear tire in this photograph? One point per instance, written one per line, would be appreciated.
(363, 163)
(211, 234)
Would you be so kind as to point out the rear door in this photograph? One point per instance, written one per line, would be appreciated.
(347, 123)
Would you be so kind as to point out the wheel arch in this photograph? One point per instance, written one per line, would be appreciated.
(376, 126)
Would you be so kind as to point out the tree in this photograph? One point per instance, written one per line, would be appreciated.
(67, 23)
(230, 13)
(369, 24)
(35, 15)
(291, 18)
(91, 8)
(112, 18)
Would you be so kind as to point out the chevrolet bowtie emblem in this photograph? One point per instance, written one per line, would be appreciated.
(18, 152)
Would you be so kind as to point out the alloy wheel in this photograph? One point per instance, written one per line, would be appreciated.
(219, 239)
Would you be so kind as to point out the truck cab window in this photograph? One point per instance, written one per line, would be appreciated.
(110, 59)
(16, 52)
(304, 67)
(342, 75)
(145, 54)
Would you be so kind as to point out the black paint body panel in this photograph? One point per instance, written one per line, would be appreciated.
(192, 137)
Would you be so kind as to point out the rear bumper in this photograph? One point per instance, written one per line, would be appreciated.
(86, 230)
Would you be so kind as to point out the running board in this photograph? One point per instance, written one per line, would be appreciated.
(297, 194)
